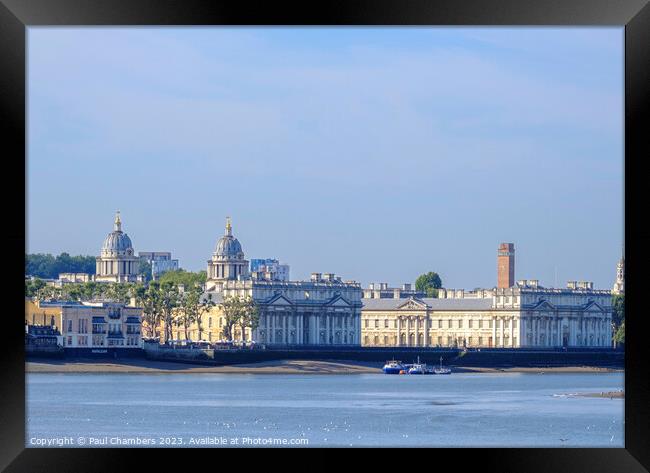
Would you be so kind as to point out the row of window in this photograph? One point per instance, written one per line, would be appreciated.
(450, 341)
(450, 323)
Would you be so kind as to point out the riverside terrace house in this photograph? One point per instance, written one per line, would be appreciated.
(88, 324)
(522, 316)
(321, 311)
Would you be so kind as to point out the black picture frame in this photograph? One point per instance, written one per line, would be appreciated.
(634, 15)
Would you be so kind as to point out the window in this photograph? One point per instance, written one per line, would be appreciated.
(480, 323)
(385, 340)
(439, 323)
(480, 341)
(449, 323)
(385, 323)
(469, 323)
(490, 323)
(70, 328)
(460, 323)
(376, 323)
(439, 341)
(210, 322)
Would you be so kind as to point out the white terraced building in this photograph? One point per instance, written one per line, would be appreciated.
(516, 317)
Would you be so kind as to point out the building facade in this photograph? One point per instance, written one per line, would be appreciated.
(322, 311)
(160, 261)
(382, 291)
(619, 285)
(227, 262)
(88, 324)
(271, 269)
(517, 317)
(117, 261)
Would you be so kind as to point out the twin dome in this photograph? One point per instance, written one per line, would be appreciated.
(119, 242)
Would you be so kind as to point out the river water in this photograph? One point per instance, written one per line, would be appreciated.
(478, 410)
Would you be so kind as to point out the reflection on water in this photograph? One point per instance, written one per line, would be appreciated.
(504, 409)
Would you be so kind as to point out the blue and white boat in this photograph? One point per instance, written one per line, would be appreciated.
(418, 368)
(393, 367)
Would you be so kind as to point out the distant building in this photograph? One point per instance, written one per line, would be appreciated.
(160, 261)
(619, 285)
(382, 291)
(526, 315)
(117, 261)
(270, 269)
(506, 265)
(88, 324)
(75, 277)
(42, 336)
(322, 311)
(227, 262)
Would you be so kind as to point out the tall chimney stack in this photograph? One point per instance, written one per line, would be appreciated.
(506, 265)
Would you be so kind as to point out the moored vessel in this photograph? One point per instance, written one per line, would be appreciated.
(393, 367)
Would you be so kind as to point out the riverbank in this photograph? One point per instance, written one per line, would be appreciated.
(267, 367)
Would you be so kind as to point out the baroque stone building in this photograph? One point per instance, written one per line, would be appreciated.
(520, 316)
(117, 261)
(619, 285)
(322, 311)
(227, 262)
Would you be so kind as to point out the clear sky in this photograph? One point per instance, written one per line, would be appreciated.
(374, 153)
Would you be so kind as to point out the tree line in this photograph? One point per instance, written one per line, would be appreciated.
(176, 300)
(47, 266)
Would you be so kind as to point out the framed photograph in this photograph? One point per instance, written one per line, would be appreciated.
(364, 224)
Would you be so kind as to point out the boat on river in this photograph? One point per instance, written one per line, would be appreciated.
(394, 367)
(441, 369)
(419, 368)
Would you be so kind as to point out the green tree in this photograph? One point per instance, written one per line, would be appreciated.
(618, 318)
(428, 283)
(49, 267)
(149, 297)
(242, 312)
(144, 269)
(186, 278)
(168, 303)
(619, 336)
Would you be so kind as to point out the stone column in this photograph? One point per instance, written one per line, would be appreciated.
(417, 331)
(327, 328)
(399, 331)
(494, 331)
(512, 331)
(426, 330)
(408, 331)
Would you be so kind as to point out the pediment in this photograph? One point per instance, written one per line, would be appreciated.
(279, 300)
(592, 306)
(412, 304)
(544, 305)
(338, 301)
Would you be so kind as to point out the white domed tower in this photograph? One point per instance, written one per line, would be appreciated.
(117, 261)
(619, 285)
(227, 262)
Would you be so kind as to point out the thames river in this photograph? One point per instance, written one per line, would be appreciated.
(478, 410)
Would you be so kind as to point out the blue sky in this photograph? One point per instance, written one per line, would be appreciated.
(374, 153)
